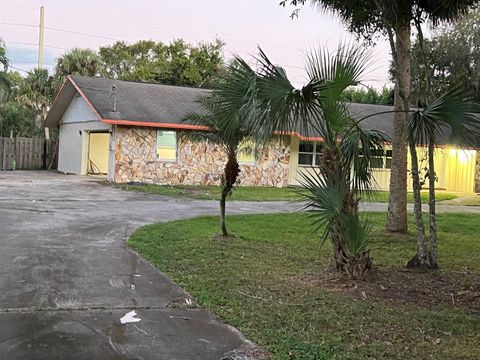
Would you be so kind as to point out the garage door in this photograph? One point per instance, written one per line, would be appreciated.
(98, 150)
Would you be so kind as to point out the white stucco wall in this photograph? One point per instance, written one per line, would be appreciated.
(73, 136)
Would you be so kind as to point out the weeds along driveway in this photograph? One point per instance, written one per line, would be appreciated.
(67, 277)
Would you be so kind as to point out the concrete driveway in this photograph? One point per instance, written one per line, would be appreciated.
(66, 276)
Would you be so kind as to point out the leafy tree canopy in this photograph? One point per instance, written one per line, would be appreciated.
(369, 96)
(15, 115)
(77, 61)
(24, 99)
(17, 118)
(371, 17)
(452, 59)
(177, 63)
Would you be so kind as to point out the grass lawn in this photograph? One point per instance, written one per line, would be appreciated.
(271, 283)
(253, 193)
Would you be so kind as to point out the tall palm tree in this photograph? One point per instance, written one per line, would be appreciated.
(370, 18)
(227, 128)
(451, 116)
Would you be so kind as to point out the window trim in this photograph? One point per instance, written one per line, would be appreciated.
(313, 153)
(253, 163)
(384, 158)
(248, 163)
(157, 158)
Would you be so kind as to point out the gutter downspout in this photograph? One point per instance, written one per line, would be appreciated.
(111, 154)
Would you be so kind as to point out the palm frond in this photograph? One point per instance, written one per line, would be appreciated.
(235, 97)
(451, 116)
(358, 148)
(338, 70)
(286, 108)
(323, 202)
(357, 232)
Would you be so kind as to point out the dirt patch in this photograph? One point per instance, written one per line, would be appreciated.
(402, 286)
(222, 238)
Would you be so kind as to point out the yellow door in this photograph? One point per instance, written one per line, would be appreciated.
(98, 153)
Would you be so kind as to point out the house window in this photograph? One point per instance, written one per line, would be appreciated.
(246, 153)
(381, 159)
(309, 153)
(166, 148)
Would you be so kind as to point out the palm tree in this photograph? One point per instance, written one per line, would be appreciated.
(269, 103)
(370, 18)
(227, 128)
(449, 116)
(5, 84)
(36, 92)
(77, 61)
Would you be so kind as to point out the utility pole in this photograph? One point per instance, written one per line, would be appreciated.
(40, 37)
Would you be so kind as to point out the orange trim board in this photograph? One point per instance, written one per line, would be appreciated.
(154, 124)
(203, 128)
(297, 134)
(193, 127)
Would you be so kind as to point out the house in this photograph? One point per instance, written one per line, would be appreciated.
(129, 131)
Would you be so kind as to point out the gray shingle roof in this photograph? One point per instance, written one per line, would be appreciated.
(139, 102)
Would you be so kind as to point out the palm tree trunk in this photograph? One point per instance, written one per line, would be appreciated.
(229, 179)
(419, 260)
(433, 255)
(355, 266)
(397, 204)
(223, 201)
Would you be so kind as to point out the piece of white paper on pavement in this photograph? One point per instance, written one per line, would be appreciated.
(129, 318)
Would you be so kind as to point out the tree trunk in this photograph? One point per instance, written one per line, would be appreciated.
(354, 266)
(397, 204)
(229, 179)
(433, 254)
(223, 201)
(419, 261)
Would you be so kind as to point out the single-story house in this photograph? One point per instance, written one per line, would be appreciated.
(129, 131)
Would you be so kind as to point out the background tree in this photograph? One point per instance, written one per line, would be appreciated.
(139, 61)
(36, 92)
(77, 61)
(369, 95)
(452, 57)
(5, 84)
(394, 19)
(15, 118)
(177, 63)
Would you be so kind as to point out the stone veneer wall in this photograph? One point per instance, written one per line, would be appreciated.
(477, 173)
(197, 163)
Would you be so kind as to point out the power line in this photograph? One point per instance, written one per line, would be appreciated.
(103, 20)
(35, 44)
(136, 25)
(92, 36)
(19, 7)
(13, 67)
(118, 39)
(18, 24)
(81, 33)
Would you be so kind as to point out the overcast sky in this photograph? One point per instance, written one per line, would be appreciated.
(242, 24)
